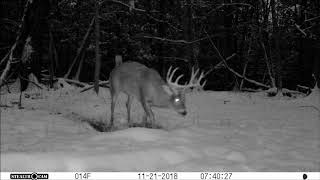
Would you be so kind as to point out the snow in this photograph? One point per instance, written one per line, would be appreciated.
(224, 131)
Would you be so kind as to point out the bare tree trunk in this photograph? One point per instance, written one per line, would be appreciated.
(97, 50)
(22, 54)
(51, 57)
(80, 50)
(244, 74)
(54, 50)
(21, 37)
(269, 65)
(276, 43)
(317, 70)
(79, 67)
(8, 66)
(230, 69)
(162, 33)
(188, 33)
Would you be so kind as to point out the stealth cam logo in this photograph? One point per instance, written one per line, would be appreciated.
(33, 176)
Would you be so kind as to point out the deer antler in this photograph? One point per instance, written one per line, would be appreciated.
(170, 75)
(194, 82)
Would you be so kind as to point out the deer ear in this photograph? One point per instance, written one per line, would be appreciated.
(167, 89)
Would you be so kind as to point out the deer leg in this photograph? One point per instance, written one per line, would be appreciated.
(129, 102)
(145, 120)
(149, 112)
(153, 124)
(113, 103)
(20, 97)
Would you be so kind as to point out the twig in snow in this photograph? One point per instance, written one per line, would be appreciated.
(101, 83)
(74, 82)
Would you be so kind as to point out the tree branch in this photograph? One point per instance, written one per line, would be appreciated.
(302, 31)
(97, 66)
(219, 64)
(172, 40)
(123, 4)
(273, 84)
(8, 66)
(230, 69)
(5, 57)
(175, 58)
(311, 19)
(83, 43)
(229, 4)
(162, 21)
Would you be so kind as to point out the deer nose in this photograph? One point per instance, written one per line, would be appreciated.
(184, 113)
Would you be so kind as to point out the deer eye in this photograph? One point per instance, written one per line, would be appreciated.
(176, 100)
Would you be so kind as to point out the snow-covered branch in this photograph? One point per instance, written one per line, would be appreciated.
(101, 83)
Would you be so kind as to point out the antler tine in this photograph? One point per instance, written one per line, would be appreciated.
(192, 70)
(195, 79)
(193, 76)
(203, 84)
(171, 72)
(202, 75)
(170, 75)
(194, 73)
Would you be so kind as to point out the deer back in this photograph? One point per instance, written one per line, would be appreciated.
(141, 82)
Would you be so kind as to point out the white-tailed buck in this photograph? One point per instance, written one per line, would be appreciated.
(146, 85)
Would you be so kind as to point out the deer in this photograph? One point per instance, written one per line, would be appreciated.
(146, 85)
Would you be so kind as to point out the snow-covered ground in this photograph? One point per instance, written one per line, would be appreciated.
(223, 131)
